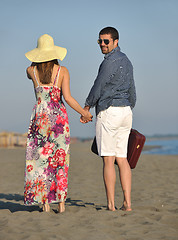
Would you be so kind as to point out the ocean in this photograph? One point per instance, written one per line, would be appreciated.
(166, 146)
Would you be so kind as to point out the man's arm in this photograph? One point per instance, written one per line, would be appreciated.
(106, 70)
(132, 90)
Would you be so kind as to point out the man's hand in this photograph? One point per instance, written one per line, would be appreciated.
(86, 117)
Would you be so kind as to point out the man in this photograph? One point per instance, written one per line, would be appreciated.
(113, 94)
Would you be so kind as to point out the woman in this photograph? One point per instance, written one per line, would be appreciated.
(47, 153)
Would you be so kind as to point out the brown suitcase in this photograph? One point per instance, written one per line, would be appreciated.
(135, 145)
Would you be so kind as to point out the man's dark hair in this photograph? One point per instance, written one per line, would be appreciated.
(110, 30)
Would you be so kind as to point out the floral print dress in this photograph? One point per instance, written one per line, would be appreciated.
(47, 153)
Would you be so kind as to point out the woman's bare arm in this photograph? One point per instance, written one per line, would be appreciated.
(69, 99)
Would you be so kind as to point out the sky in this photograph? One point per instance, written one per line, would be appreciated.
(148, 36)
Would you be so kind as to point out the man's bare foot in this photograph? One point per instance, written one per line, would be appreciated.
(111, 209)
(46, 207)
(61, 207)
(125, 207)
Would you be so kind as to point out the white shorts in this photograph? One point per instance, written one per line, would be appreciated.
(113, 127)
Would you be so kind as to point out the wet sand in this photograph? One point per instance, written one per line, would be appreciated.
(154, 201)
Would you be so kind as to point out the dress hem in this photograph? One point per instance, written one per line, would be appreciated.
(36, 204)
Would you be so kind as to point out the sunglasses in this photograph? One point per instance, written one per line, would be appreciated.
(106, 41)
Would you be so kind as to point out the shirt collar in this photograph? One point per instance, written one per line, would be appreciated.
(117, 49)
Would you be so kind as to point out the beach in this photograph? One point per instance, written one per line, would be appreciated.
(154, 201)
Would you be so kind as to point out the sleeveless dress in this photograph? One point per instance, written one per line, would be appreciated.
(47, 152)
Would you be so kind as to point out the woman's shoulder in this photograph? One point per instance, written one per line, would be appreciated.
(30, 71)
(64, 71)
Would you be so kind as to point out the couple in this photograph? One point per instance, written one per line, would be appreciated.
(113, 95)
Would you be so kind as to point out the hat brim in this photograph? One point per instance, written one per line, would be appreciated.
(39, 55)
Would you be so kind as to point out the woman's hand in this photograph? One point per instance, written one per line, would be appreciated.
(86, 117)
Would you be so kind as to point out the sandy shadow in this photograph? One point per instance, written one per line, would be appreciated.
(16, 197)
(15, 206)
(77, 203)
(81, 203)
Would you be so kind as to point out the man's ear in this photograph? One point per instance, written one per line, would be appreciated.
(116, 42)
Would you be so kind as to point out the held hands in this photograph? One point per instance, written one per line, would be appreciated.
(86, 117)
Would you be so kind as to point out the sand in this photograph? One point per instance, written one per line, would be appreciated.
(154, 201)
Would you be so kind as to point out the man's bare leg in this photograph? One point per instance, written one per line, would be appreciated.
(126, 179)
(109, 176)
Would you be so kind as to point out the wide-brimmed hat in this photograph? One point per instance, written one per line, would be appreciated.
(46, 50)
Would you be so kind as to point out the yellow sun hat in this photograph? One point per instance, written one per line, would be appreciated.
(46, 50)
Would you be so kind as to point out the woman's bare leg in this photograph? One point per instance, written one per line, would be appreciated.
(46, 207)
(61, 207)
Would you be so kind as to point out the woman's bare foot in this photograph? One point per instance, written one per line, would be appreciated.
(46, 207)
(126, 207)
(61, 207)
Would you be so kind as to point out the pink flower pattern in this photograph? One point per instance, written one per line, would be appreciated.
(47, 153)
